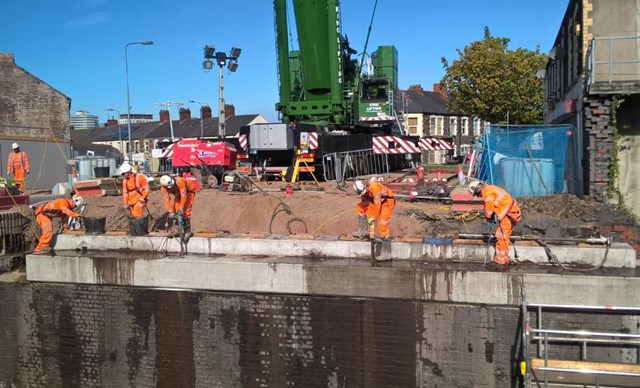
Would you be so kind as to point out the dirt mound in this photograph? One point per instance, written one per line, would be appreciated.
(331, 213)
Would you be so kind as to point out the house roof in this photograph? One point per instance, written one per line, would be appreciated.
(162, 130)
(426, 102)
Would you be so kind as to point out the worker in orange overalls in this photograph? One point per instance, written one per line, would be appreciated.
(502, 209)
(59, 207)
(179, 195)
(135, 190)
(376, 206)
(18, 165)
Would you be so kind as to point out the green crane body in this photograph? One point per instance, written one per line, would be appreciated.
(321, 83)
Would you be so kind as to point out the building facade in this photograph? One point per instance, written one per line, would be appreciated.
(83, 120)
(592, 81)
(36, 116)
(427, 116)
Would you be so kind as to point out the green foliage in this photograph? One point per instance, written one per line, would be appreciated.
(490, 81)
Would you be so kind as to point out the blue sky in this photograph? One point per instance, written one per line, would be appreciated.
(78, 46)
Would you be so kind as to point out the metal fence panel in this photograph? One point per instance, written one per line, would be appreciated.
(340, 166)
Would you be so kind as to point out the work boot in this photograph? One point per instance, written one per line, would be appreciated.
(363, 227)
(44, 251)
(187, 230)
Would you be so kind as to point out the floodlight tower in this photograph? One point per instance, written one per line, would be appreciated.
(222, 60)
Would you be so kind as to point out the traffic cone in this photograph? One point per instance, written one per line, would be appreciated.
(439, 175)
(289, 190)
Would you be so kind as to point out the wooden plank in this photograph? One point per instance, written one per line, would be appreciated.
(582, 373)
(600, 366)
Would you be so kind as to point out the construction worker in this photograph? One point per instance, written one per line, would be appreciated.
(18, 165)
(376, 206)
(135, 190)
(179, 194)
(59, 207)
(502, 209)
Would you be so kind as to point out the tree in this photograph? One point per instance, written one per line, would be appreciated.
(492, 82)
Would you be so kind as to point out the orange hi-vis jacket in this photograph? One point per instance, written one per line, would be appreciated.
(134, 189)
(378, 193)
(498, 201)
(57, 208)
(181, 192)
(18, 162)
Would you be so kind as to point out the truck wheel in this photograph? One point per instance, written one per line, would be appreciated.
(212, 181)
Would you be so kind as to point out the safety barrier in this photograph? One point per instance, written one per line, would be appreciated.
(340, 166)
(12, 238)
(547, 371)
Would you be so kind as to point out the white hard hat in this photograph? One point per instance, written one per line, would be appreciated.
(473, 186)
(15, 145)
(167, 181)
(77, 200)
(125, 167)
(359, 187)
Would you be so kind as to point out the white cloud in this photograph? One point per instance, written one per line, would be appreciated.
(88, 20)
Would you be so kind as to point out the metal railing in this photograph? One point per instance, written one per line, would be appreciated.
(619, 54)
(340, 166)
(545, 337)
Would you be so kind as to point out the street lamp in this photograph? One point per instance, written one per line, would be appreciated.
(201, 125)
(221, 59)
(168, 104)
(119, 132)
(126, 69)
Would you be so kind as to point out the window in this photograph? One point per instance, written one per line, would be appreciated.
(453, 126)
(464, 126)
(436, 124)
(476, 127)
(436, 157)
(413, 125)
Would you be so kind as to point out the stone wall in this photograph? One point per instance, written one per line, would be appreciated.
(598, 133)
(30, 108)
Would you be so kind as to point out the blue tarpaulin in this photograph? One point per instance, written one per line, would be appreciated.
(527, 160)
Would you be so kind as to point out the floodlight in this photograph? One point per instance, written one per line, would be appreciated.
(209, 51)
(235, 52)
(233, 66)
(221, 58)
(207, 64)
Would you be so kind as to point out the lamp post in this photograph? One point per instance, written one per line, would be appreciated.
(126, 70)
(119, 132)
(168, 104)
(201, 125)
(221, 60)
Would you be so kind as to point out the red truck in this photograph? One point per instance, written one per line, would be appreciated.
(206, 160)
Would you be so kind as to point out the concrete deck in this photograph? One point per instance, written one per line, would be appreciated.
(312, 267)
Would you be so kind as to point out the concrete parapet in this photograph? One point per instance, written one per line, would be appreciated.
(619, 255)
(453, 283)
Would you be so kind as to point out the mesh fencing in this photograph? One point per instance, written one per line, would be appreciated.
(340, 166)
(529, 160)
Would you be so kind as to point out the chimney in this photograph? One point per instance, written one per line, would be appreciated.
(229, 110)
(440, 89)
(112, 123)
(164, 115)
(7, 57)
(206, 112)
(185, 114)
(416, 88)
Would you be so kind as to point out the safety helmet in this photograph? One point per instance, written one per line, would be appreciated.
(167, 181)
(473, 186)
(15, 146)
(359, 187)
(125, 167)
(77, 200)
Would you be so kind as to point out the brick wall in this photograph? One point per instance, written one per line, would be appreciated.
(94, 336)
(30, 108)
(599, 138)
(90, 336)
